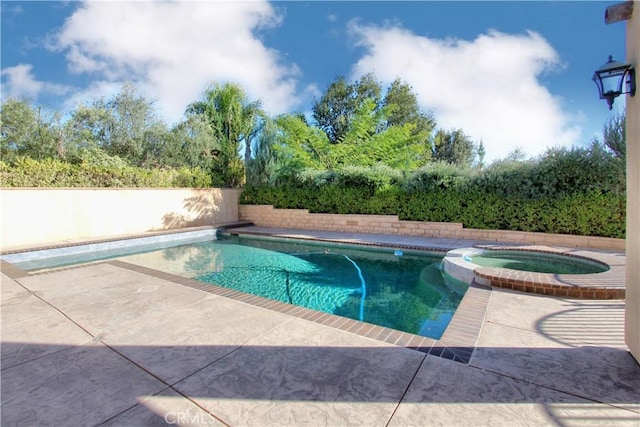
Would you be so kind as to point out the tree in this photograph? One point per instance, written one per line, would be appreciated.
(89, 128)
(613, 146)
(264, 165)
(367, 87)
(340, 113)
(335, 110)
(516, 155)
(29, 131)
(133, 122)
(125, 126)
(405, 109)
(190, 143)
(481, 154)
(402, 108)
(234, 121)
(615, 136)
(453, 147)
(364, 144)
(299, 145)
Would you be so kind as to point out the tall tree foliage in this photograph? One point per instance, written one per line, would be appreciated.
(403, 108)
(614, 142)
(334, 112)
(190, 143)
(481, 151)
(368, 132)
(234, 121)
(364, 144)
(300, 145)
(125, 126)
(614, 135)
(337, 112)
(453, 147)
(264, 165)
(29, 131)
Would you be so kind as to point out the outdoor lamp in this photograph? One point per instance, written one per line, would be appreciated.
(613, 79)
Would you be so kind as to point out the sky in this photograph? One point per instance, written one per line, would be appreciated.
(514, 75)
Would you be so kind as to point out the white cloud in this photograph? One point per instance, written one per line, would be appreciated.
(81, 63)
(19, 82)
(489, 86)
(312, 91)
(95, 90)
(173, 50)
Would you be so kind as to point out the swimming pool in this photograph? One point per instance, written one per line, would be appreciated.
(403, 290)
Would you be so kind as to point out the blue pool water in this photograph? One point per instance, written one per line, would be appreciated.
(395, 289)
(403, 290)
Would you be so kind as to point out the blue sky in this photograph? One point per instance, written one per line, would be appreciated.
(512, 74)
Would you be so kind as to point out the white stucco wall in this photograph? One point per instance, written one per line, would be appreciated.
(41, 216)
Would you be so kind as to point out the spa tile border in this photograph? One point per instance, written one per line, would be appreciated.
(602, 286)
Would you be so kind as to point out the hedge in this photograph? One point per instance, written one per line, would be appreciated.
(27, 172)
(593, 213)
(578, 191)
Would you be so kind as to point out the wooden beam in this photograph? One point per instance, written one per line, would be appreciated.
(618, 12)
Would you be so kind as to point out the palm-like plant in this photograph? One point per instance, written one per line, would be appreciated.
(234, 121)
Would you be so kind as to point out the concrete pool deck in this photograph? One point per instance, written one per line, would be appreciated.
(115, 344)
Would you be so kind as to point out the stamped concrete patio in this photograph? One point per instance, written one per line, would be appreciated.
(118, 344)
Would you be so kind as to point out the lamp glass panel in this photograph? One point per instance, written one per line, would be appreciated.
(612, 81)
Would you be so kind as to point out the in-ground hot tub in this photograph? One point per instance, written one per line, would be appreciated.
(538, 262)
(548, 271)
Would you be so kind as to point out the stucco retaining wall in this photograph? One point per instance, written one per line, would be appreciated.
(268, 216)
(40, 216)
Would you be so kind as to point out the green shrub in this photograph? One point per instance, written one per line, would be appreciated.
(191, 178)
(437, 176)
(369, 179)
(560, 171)
(27, 172)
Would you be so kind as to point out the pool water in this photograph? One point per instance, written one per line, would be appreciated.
(404, 291)
(537, 262)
